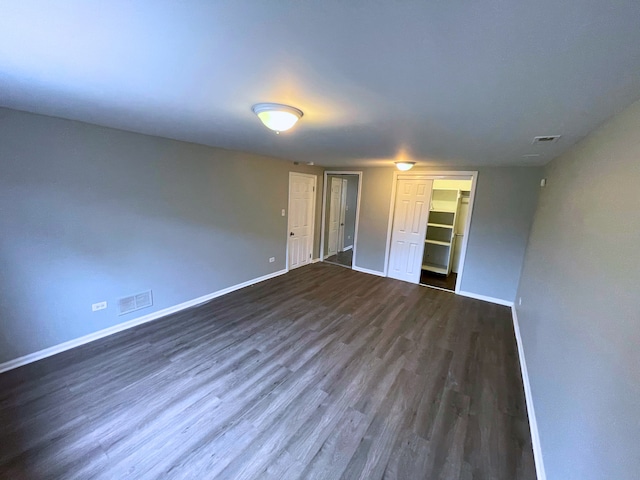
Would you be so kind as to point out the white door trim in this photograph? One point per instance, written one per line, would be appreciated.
(313, 213)
(324, 207)
(435, 175)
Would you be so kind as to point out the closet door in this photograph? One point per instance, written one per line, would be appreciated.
(413, 196)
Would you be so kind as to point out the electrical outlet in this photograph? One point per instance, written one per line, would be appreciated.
(520, 301)
(283, 212)
(272, 259)
(98, 306)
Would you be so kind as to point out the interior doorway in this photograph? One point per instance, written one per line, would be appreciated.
(429, 225)
(340, 210)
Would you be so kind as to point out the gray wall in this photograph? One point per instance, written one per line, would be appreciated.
(502, 214)
(580, 313)
(90, 214)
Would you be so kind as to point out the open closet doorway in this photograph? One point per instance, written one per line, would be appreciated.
(429, 225)
(340, 209)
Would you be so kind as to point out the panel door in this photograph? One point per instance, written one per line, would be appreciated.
(301, 205)
(343, 214)
(409, 229)
(461, 222)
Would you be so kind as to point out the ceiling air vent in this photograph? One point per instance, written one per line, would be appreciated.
(545, 139)
(134, 302)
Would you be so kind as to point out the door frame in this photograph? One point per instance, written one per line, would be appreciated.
(313, 214)
(324, 207)
(435, 175)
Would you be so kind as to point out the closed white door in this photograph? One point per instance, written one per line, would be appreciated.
(301, 209)
(334, 215)
(413, 197)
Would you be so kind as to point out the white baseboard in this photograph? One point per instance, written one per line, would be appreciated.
(370, 272)
(347, 248)
(315, 260)
(533, 424)
(76, 342)
(499, 301)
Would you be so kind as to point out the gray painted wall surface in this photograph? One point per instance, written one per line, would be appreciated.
(90, 214)
(580, 313)
(503, 210)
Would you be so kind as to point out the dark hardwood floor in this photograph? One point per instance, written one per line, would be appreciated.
(321, 373)
(447, 282)
(341, 258)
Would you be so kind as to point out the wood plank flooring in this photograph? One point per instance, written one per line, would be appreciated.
(436, 280)
(341, 258)
(322, 373)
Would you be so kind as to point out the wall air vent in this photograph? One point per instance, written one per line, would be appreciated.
(134, 302)
(545, 139)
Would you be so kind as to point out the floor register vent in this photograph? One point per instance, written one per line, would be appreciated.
(135, 302)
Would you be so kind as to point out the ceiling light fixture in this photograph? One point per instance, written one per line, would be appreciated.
(278, 118)
(404, 166)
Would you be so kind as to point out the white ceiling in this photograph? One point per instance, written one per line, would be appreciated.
(440, 82)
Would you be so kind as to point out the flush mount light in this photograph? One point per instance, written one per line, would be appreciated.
(404, 166)
(278, 118)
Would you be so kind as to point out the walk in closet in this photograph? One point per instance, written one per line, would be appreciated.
(445, 230)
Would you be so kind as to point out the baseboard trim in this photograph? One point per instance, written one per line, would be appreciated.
(533, 424)
(347, 248)
(76, 342)
(370, 272)
(499, 301)
(315, 260)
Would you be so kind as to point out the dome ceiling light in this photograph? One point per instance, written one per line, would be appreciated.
(277, 117)
(404, 166)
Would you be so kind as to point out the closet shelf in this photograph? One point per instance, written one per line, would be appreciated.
(440, 210)
(438, 242)
(441, 225)
(434, 267)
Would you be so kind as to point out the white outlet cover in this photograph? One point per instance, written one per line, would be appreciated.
(98, 306)
(272, 259)
(283, 214)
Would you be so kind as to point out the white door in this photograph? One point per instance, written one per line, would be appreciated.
(334, 215)
(343, 214)
(413, 197)
(301, 211)
(461, 222)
